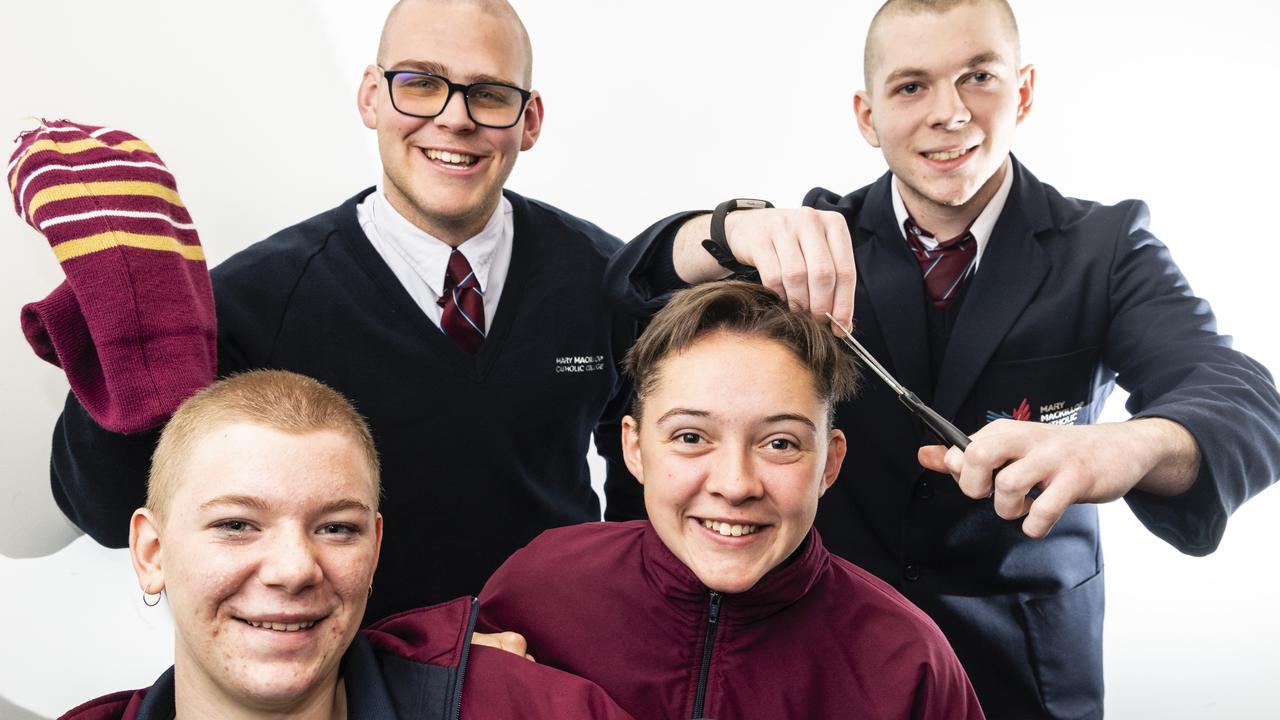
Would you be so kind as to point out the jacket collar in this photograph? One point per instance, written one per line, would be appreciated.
(782, 587)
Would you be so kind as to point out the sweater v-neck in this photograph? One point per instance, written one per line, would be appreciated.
(475, 366)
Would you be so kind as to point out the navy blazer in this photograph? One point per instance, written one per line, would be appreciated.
(1070, 297)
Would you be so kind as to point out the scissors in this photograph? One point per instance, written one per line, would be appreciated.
(948, 433)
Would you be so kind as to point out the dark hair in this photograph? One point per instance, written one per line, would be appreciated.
(741, 308)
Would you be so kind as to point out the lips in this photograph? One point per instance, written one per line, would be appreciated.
(451, 159)
(730, 529)
(948, 155)
(283, 624)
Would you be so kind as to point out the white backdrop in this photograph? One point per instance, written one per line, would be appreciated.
(651, 107)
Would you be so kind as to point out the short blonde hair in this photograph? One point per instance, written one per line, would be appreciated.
(277, 399)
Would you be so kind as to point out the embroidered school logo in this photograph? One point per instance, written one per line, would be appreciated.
(579, 363)
(1022, 412)
(1060, 413)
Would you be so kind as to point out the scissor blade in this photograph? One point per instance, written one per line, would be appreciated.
(867, 358)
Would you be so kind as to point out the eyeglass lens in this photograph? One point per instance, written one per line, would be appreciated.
(426, 95)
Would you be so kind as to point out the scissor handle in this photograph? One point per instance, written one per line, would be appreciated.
(948, 433)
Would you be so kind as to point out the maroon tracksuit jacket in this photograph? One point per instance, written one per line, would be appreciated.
(815, 638)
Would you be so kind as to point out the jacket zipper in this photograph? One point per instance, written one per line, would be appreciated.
(456, 700)
(713, 617)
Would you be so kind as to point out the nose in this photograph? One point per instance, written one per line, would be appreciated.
(454, 116)
(734, 477)
(290, 562)
(948, 110)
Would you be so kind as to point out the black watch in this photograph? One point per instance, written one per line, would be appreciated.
(718, 245)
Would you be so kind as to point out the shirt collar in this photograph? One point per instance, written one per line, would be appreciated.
(428, 255)
(982, 226)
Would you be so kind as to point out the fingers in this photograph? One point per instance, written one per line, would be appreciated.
(803, 255)
(1044, 513)
(512, 642)
(845, 270)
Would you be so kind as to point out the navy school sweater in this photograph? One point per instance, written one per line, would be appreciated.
(479, 453)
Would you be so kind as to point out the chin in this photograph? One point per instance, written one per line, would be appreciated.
(278, 688)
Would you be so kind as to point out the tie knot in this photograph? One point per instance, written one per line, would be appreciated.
(459, 274)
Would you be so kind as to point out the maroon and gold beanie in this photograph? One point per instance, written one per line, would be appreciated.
(133, 324)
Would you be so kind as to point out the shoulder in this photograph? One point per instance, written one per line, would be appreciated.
(546, 220)
(107, 707)
(1077, 220)
(559, 563)
(289, 250)
(501, 684)
(877, 608)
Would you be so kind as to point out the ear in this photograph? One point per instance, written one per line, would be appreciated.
(367, 97)
(862, 113)
(532, 121)
(377, 542)
(631, 447)
(835, 458)
(144, 550)
(1026, 90)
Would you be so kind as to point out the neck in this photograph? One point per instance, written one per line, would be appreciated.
(452, 231)
(949, 221)
(199, 697)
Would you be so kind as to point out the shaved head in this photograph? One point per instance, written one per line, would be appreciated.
(497, 8)
(871, 53)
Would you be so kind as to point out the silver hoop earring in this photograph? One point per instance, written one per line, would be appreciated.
(145, 594)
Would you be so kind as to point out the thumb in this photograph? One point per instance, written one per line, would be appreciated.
(933, 457)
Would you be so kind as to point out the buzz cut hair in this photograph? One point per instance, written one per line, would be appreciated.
(745, 309)
(916, 7)
(497, 8)
(275, 399)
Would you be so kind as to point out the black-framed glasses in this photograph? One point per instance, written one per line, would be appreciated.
(425, 95)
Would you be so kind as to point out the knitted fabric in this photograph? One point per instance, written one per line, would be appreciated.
(133, 324)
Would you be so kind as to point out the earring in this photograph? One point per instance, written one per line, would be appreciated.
(370, 590)
(145, 594)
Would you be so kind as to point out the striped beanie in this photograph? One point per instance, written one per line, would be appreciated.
(133, 324)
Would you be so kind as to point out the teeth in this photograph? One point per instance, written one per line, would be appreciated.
(451, 158)
(729, 530)
(944, 156)
(282, 627)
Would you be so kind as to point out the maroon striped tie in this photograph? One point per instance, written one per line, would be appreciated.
(463, 304)
(946, 266)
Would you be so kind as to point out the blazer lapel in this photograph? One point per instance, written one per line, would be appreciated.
(1012, 268)
(891, 276)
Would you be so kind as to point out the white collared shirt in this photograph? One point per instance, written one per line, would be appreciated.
(420, 261)
(982, 226)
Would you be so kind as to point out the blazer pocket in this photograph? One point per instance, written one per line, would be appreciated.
(1064, 634)
(1050, 389)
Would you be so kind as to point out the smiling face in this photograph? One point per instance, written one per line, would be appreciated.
(943, 100)
(266, 551)
(734, 450)
(445, 174)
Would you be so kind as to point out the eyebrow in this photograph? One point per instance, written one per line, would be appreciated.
(908, 73)
(791, 417)
(436, 68)
(256, 503)
(673, 412)
(780, 417)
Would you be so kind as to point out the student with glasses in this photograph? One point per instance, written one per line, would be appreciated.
(467, 323)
